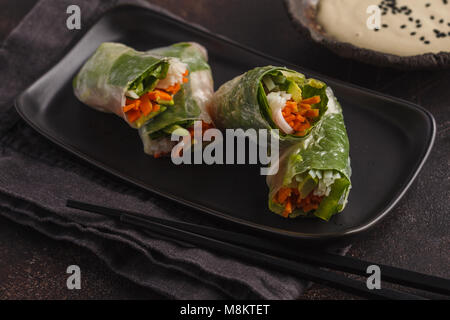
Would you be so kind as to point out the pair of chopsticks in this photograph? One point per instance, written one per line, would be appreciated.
(303, 263)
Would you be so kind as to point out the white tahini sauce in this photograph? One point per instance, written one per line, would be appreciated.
(417, 27)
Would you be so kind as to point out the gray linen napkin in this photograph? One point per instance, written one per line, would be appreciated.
(36, 178)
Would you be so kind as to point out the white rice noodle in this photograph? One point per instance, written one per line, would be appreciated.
(326, 180)
(174, 74)
(277, 102)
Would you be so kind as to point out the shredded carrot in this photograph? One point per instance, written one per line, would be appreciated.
(186, 73)
(300, 116)
(287, 209)
(301, 126)
(129, 107)
(174, 89)
(156, 107)
(312, 113)
(185, 80)
(290, 117)
(159, 94)
(283, 194)
(312, 100)
(292, 105)
(146, 106)
(153, 95)
(133, 115)
(305, 106)
(291, 200)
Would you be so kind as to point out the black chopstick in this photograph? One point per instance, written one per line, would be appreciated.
(305, 271)
(333, 261)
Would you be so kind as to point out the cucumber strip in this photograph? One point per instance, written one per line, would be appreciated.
(268, 82)
(177, 130)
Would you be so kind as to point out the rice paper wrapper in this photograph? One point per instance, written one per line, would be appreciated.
(326, 148)
(105, 77)
(239, 104)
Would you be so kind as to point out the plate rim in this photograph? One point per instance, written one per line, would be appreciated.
(242, 222)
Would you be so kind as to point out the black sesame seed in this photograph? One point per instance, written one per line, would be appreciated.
(403, 26)
(411, 19)
(432, 17)
(413, 33)
(422, 38)
(427, 42)
(441, 21)
(384, 25)
(427, 5)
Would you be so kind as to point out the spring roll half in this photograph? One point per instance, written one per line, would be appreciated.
(314, 175)
(189, 101)
(158, 91)
(270, 98)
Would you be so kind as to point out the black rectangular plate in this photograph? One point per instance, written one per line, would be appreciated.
(389, 138)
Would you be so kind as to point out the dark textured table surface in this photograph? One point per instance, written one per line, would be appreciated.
(414, 236)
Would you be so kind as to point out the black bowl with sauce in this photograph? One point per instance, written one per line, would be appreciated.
(303, 14)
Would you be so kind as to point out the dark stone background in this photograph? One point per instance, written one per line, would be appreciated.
(414, 236)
